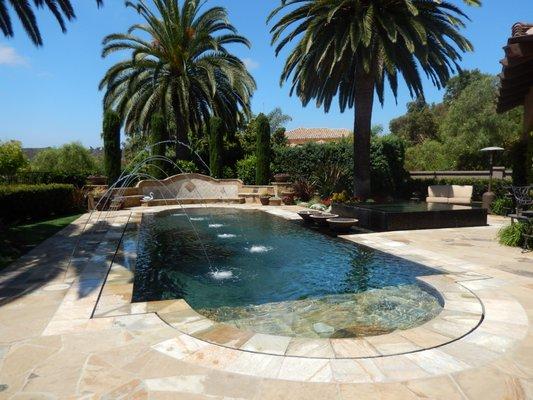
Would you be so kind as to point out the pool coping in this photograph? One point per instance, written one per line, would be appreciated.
(452, 324)
(502, 323)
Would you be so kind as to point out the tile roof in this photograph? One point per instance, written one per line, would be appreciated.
(517, 68)
(317, 133)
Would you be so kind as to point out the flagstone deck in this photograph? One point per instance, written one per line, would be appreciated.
(74, 334)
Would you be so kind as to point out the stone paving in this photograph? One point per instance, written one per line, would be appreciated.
(68, 329)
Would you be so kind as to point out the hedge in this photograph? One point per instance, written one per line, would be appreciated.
(499, 186)
(38, 178)
(329, 165)
(20, 202)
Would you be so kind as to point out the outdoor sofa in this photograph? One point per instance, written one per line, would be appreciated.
(450, 194)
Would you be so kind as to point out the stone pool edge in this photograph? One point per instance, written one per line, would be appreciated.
(494, 334)
(452, 324)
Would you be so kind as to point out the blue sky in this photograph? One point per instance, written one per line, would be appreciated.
(49, 95)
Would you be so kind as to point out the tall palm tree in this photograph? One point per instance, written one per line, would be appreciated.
(181, 69)
(61, 9)
(348, 48)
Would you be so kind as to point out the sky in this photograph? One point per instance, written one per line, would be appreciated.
(49, 95)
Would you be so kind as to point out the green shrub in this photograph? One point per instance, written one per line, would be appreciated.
(501, 206)
(512, 235)
(18, 202)
(39, 178)
(112, 152)
(387, 156)
(246, 170)
(186, 167)
(263, 151)
(329, 165)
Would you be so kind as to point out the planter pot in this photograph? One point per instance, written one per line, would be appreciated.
(101, 203)
(97, 180)
(264, 200)
(288, 198)
(322, 219)
(341, 224)
(280, 178)
(275, 201)
(306, 216)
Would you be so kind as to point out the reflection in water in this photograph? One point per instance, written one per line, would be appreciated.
(359, 274)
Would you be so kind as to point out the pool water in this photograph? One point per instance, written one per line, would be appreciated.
(263, 273)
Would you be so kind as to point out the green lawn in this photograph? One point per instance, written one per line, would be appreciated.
(17, 240)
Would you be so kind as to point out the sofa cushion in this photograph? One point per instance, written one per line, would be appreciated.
(437, 200)
(462, 191)
(440, 191)
(460, 200)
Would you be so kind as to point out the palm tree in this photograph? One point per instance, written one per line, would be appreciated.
(348, 48)
(183, 70)
(61, 9)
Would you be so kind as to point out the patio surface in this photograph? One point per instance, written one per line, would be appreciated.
(75, 335)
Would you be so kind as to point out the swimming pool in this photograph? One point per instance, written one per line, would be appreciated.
(263, 273)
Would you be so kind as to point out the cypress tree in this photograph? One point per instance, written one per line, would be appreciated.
(262, 130)
(216, 147)
(158, 134)
(112, 152)
(279, 138)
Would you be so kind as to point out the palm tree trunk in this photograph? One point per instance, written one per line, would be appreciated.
(364, 99)
(182, 127)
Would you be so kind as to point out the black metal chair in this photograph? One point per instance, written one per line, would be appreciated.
(523, 201)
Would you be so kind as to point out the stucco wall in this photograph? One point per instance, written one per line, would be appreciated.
(191, 186)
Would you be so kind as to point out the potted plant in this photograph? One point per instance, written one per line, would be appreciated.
(95, 198)
(264, 197)
(275, 201)
(97, 180)
(288, 198)
(281, 178)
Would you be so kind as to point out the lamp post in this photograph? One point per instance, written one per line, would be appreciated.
(489, 196)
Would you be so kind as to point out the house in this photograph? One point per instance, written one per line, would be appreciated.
(517, 79)
(300, 136)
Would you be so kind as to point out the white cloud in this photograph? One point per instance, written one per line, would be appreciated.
(10, 57)
(250, 64)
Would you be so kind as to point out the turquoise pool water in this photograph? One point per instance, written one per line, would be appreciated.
(270, 275)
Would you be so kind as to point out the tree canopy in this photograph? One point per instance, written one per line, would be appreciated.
(184, 69)
(12, 157)
(70, 158)
(351, 49)
(24, 9)
(450, 134)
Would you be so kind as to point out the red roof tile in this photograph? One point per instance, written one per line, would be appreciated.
(317, 133)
